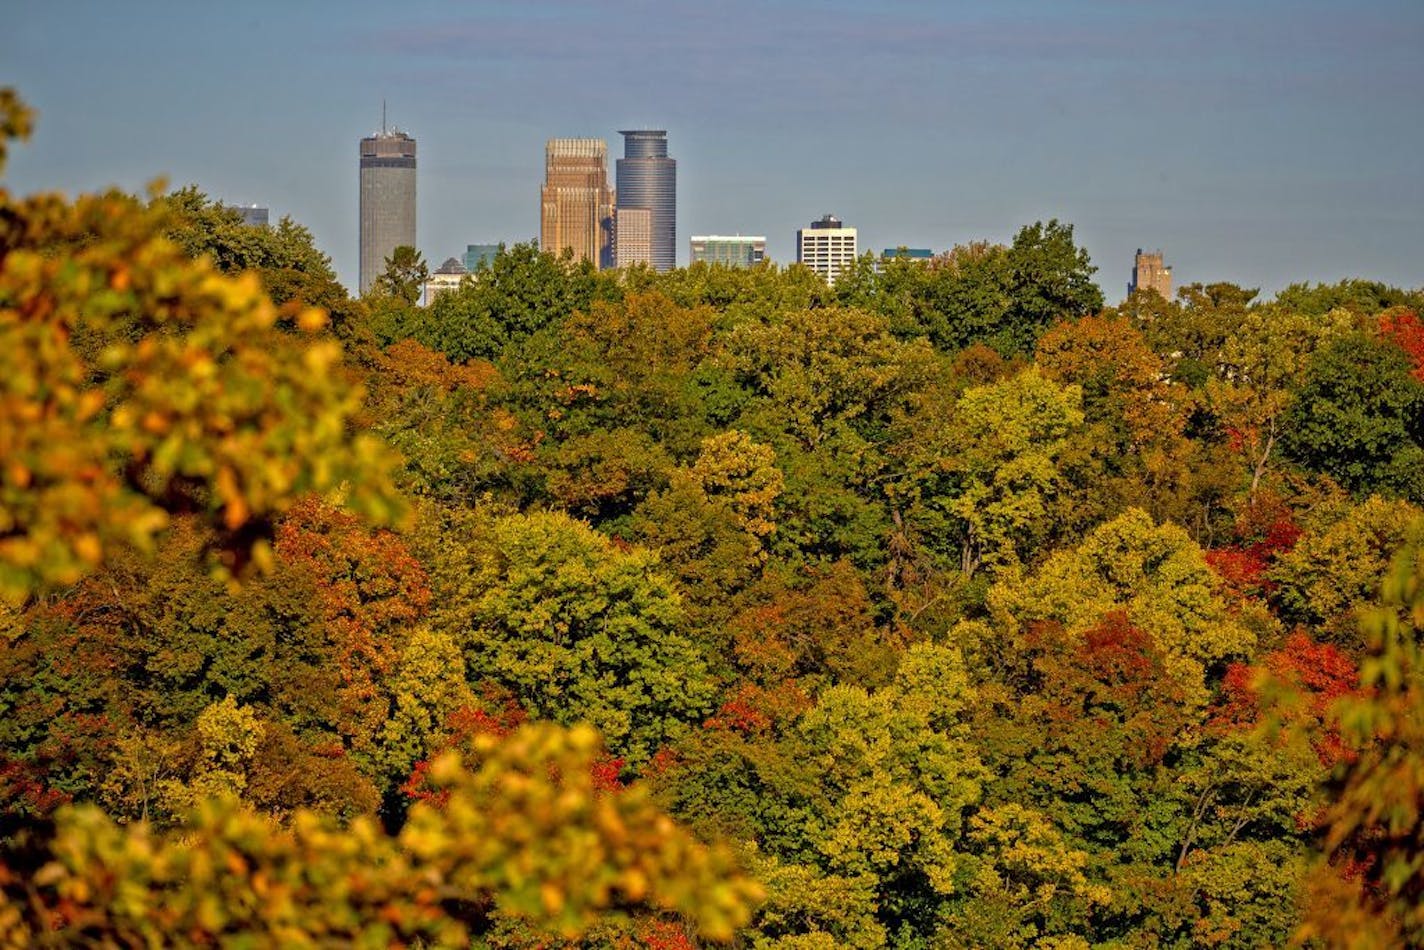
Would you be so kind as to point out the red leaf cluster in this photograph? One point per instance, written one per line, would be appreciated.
(664, 935)
(23, 789)
(1320, 672)
(1405, 330)
(1265, 530)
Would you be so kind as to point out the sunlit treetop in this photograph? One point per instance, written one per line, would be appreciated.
(136, 383)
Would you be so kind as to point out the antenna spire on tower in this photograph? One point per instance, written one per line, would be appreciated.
(383, 117)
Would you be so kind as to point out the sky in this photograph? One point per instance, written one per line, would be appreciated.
(1262, 142)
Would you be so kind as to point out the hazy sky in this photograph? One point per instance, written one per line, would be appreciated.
(1257, 142)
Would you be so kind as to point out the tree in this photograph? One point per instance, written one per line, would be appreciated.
(1192, 331)
(427, 687)
(1131, 449)
(579, 630)
(521, 292)
(1406, 330)
(1263, 361)
(639, 356)
(1003, 297)
(1371, 891)
(1359, 417)
(522, 834)
(404, 276)
(813, 628)
(447, 421)
(284, 256)
(998, 462)
(897, 779)
(733, 467)
(1333, 571)
(1050, 278)
(1155, 573)
(825, 389)
(136, 383)
(1363, 297)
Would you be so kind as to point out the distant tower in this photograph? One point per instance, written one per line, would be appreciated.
(827, 247)
(577, 203)
(647, 179)
(1149, 273)
(387, 199)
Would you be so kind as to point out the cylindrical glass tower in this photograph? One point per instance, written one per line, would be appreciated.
(387, 200)
(647, 179)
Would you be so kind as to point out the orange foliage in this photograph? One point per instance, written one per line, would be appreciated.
(1318, 672)
(368, 582)
(1405, 330)
(754, 709)
(412, 364)
(369, 588)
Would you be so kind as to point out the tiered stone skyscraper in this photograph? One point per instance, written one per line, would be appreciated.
(577, 202)
(647, 180)
(387, 200)
(1149, 273)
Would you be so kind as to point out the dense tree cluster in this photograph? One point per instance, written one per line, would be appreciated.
(944, 607)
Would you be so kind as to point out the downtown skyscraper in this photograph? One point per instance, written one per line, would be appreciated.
(647, 180)
(577, 204)
(387, 200)
(827, 247)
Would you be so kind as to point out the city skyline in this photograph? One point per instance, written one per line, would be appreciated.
(1261, 144)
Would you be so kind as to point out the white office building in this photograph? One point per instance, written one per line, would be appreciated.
(826, 247)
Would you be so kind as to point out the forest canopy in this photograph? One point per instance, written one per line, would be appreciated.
(944, 606)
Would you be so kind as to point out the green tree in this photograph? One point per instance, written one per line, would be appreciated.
(1263, 361)
(1363, 297)
(1192, 331)
(998, 458)
(1050, 278)
(579, 630)
(521, 292)
(427, 685)
(1004, 297)
(898, 777)
(1359, 417)
(404, 275)
(825, 389)
(1155, 573)
(965, 298)
(1332, 573)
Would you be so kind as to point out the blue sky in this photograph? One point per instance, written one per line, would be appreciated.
(1258, 142)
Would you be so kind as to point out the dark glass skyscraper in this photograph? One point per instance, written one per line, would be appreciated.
(647, 178)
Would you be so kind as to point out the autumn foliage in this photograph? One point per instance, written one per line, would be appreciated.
(944, 606)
